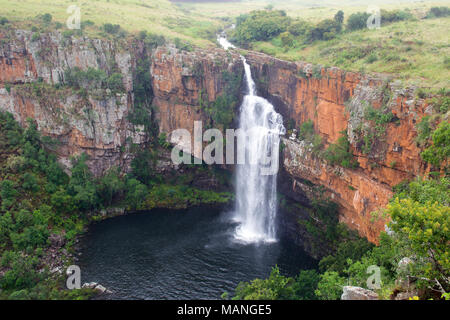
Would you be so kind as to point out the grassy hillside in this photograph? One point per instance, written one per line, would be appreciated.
(306, 9)
(415, 51)
(156, 16)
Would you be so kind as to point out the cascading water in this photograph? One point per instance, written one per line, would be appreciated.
(256, 180)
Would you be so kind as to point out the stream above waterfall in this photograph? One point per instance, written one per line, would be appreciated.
(179, 254)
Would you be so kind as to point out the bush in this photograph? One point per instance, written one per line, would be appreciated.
(93, 79)
(324, 30)
(339, 153)
(35, 37)
(440, 150)
(273, 288)
(357, 21)
(437, 12)
(111, 28)
(260, 26)
(30, 182)
(299, 28)
(339, 17)
(330, 286)
(3, 21)
(47, 18)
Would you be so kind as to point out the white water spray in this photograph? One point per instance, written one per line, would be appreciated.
(256, 197)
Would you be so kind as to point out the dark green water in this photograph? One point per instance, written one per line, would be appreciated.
(184, 254)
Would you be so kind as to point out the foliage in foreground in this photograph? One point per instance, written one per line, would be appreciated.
(419, 231)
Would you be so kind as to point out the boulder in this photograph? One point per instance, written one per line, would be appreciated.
(357, 293)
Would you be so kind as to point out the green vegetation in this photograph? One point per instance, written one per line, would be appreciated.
(339, 153)
(433, 134)
(93, 79)
(259, 26)
(410, 48)
(221, 111)
(420, 222)
(439, 151)
(307, 134)
(114, 19)
(39, 201)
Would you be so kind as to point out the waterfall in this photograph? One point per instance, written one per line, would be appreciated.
(256, 184)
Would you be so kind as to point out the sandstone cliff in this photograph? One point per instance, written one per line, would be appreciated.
(335, 100)
(183, 82)
(32, 71)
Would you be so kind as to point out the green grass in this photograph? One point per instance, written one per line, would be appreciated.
(156, 16)
(414, 51)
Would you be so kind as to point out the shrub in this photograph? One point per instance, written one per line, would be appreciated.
(330, 286)
(35, 37)
(357, 21)
(299, 27)
(339, 153)
(273, 288)
(260, 26)
(438, 12)
(111, 28)
(3, 21)
(30, 182)
(423, 130)
(47, 18)
(440, 150)
(339, 17)
(286, 39)
(325, 30)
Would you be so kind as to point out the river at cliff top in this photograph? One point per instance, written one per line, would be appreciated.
(178, 254)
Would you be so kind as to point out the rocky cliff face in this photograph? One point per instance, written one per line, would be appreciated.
(336, 101)
(96, 122)
(31, 72)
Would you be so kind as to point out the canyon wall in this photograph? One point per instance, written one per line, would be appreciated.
(96, 121)
(183, 83)
(335, 101)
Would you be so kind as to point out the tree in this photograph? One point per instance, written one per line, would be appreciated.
(136, 193)
(440, 150)
(357, 21)
(305, 284)
(426, 226)
(260, 25)
(325, 30)
(110, 186)
(299, 27)
(30, 182)
(286, 39)
(339, 17)
(330, 286)
(273, 288)
(8, 193)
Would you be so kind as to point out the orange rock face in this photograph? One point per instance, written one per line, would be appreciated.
(304, 92)
(182, 81)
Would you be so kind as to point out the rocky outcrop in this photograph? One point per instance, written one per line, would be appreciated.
(357, 293)
(185, 82)
(32, 71)
(335, 101)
